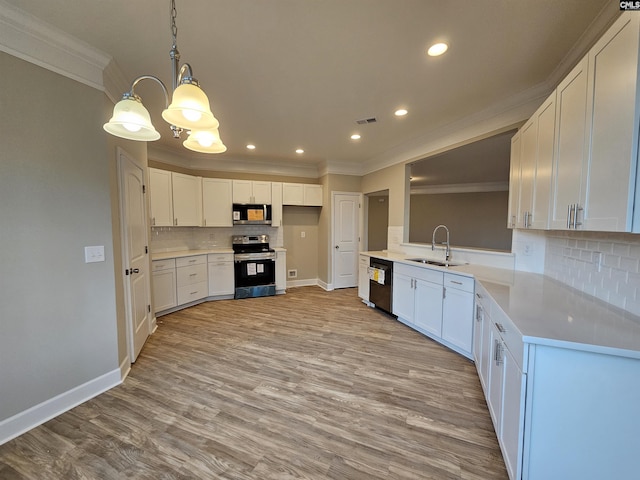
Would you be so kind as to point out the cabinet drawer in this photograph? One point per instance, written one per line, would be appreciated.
(191, 275)
(459, 281)
(159, 265)
(220, 258)
(190, 293)
(193, 260)
(511, 337)
(364, 260)
(421, 273)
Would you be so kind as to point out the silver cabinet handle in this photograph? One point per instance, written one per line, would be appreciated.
(175, 222)
(500, 327)
(457, 283)
(572, 213)
(153, 220)
(444, 292)
(576, 223)
(498, 353)
(568, 216)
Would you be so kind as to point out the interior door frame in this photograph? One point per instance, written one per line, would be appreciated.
(332, 250)
(120, 152)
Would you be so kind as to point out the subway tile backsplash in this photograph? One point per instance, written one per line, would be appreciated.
(169, 239)
(605, 265)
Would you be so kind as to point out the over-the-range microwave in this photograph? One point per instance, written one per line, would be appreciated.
(251, 214)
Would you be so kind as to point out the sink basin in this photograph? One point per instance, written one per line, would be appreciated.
(438, 263)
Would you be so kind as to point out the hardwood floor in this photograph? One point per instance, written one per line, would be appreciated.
(309, 385)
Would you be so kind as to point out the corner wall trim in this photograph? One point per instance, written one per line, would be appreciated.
(24, 421)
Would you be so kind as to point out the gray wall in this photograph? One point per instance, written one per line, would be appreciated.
(476, 220)
(57, 314)
(378, 223)
(302, 253)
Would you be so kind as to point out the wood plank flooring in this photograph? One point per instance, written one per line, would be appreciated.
(309, 385)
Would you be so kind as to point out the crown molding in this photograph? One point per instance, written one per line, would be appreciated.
(341, 168)
(29, 38)
(461, 188)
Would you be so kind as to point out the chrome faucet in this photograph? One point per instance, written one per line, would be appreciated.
(447, 252)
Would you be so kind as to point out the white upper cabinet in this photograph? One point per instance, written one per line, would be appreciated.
(161, 198)
(612, 120)
(303, 194)
(536, 159)
(187, 200)
(292, 194)
(571, 112)
(217, 208)
(514, 182)
(276, 204)
(249, 191)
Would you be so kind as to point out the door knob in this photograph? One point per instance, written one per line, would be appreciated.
(337, 247)
(135, 270)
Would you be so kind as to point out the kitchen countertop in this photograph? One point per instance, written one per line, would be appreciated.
(190, 253)
(548, 312)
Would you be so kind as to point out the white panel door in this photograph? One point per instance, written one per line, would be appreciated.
(346, 241)
(134, 231)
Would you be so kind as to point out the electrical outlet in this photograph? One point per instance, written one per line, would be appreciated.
(94, 254)
(293, 273)
(527, 249)
(597, 261)
(303, 234)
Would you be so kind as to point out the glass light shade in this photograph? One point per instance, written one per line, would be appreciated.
(131, 120)
(205, 141)
(190, 109)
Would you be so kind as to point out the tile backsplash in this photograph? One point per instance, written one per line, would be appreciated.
(605, 265)
(168, 239)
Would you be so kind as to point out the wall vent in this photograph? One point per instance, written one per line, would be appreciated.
(292, 273)
(365, 121)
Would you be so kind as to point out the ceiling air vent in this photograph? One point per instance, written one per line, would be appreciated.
(365, 121)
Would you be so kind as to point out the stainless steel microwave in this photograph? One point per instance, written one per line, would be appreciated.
(251, 214)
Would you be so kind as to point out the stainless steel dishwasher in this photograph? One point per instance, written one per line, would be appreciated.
(381, 284)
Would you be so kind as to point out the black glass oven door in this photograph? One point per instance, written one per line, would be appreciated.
(251, 273)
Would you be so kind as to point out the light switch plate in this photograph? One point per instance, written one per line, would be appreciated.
(94, 254)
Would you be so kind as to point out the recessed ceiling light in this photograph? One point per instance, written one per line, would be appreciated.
(437, 49)
(355, 136)
(251, 147)
(299, 150)
(401, 112)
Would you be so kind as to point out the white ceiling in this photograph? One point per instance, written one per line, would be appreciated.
(287, 74)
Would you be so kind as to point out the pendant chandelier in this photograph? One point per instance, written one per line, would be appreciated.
(189, 109)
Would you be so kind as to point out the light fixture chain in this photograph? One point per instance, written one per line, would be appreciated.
(174, 27)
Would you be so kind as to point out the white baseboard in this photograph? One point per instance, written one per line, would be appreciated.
(24, 421)
(125, 368)
(307, 282)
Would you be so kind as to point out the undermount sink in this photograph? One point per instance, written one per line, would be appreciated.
(438, 263)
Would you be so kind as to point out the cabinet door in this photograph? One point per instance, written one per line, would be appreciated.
(457, 318)
(428, 306)
(276, 204)
(403, 297)
(363, 278)
(496, 376)
(477, 336)
(511, 437)
(187, 200)
(546, 121)
(242, 191)
(281, 271)
(261, 192)
(161, 198)
(217, 202)
(571, 111)
(514, 181)
(612, 115)
(312, 195)
(221, 280)
(527, 173)
(164, 290)
(292, 194)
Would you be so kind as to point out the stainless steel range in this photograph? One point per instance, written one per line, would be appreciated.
(255, 266)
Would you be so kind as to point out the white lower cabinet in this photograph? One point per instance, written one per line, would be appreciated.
(191, 278)
(220, 274)
(164, 284)
(363, 278)
(435, 303)
(281, 271)
(457, 312)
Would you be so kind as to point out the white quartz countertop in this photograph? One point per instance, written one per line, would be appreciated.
(547, 312)
(190, 253)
